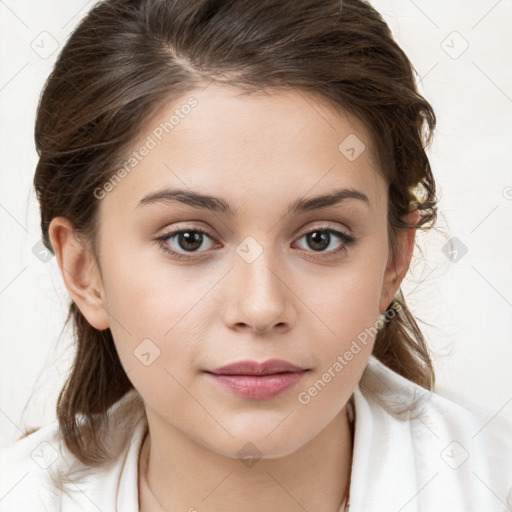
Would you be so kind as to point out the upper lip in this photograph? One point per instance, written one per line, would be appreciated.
(254, 368)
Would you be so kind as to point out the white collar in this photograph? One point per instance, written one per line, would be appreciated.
(434, 456)
(410, 449)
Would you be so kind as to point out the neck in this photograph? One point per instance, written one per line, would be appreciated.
(175, 473)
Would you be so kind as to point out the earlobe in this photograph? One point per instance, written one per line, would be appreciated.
(79, 271)
(397, 267)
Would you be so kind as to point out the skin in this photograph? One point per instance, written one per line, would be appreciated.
(259, 153)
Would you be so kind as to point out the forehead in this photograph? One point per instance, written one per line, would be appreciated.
(219, 139)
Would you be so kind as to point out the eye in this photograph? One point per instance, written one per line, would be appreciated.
(183, 243)
(185, 239)
(324, 237)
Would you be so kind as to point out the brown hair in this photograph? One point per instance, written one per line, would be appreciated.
(127, 57)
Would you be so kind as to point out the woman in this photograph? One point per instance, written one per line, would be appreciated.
(232, 191)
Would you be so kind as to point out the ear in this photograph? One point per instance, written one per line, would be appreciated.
(397, 267)
(80, 272)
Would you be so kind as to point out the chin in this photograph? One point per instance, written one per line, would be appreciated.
(254, 445)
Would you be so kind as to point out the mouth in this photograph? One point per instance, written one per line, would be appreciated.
(258, 381)
(269, 367)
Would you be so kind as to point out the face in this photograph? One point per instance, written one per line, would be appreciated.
(188, 285)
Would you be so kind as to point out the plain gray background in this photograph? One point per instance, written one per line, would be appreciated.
(462, 293)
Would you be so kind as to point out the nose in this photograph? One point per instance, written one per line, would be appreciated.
(259, 297)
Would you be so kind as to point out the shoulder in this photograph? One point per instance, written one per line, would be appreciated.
(404, 400)
(459, 448)
(38, 472)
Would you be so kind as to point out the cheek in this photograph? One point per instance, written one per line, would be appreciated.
(348, 321)
(147, 294)
(154, 318)
(346, 306)
(347, 314)
(152, 335)
(347, 299)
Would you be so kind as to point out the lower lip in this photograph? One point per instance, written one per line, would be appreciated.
(258, 387)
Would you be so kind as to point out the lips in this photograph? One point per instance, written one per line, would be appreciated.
(271, 366)
(258, 381)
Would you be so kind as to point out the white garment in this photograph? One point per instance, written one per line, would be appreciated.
(440, 457)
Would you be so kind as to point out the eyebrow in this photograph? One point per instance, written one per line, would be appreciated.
(217, 204)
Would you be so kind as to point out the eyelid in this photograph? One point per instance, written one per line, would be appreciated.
(326, 225)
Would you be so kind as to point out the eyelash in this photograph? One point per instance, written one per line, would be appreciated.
(347, 240)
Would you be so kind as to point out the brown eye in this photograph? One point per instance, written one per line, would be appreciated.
(189, 240)
(318, 240)
(183, 241)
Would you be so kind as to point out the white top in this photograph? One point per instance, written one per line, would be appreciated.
(435, 456)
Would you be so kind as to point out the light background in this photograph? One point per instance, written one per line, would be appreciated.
(464, 300)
